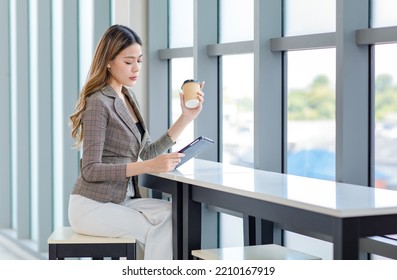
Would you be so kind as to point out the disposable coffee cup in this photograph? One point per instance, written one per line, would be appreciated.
(190, 90)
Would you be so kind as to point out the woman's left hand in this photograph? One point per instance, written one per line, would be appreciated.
(192, 113)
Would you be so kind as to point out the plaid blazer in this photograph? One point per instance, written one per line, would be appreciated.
(111, 140)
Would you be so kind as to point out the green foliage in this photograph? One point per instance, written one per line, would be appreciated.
(385, 97)
(245, 105)
(317, 102)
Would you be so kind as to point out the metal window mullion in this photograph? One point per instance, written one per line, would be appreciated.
(165, 54)
(371, 87)
(101, 18)
(384, 35)
(158, 73)
(230, 48)
(352, 94)
(303, 42)
(268, 87)
(20, 121)
(43, 162)
(5, 117)
(206, 69)
(70, 92)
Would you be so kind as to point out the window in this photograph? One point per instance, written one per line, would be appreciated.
(236, 20)
(237, 128)
(300, 16)
(386, 116)
(182, 69)
(237, 107)
(311, 113)
(181, 23)
(383, 13)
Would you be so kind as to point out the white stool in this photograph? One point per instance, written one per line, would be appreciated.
(257, 252)
(64, 243)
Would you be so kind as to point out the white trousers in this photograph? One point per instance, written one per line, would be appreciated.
(145, 219)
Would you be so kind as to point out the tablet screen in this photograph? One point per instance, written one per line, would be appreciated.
(194, 148)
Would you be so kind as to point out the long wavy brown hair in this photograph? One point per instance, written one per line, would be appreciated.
(114, 40)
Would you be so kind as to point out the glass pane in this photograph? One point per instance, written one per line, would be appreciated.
(383, 13)
(182, 69)
(237, 130)
(386, 116)
(238, 112)
(181, 23)
(236, 20)
(299, 16)
(311, 113)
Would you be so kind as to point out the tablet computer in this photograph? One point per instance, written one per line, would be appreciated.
(194, 148)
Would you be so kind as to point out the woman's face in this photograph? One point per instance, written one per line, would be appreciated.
(125, 67)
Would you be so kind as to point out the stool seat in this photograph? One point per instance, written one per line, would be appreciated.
(257, 252)
(64, 242)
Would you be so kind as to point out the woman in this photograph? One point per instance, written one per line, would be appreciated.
(107, 122)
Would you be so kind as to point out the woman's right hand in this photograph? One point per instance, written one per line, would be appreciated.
(165, 162)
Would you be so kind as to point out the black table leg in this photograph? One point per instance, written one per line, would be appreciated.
(191, 223)
(177, 222)
(249, 225)
(266, 232)
(346, 239)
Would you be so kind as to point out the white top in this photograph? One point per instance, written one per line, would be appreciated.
(258, 252)
(320, 196)
(66, 235)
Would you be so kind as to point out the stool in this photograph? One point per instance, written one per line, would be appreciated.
(64, 243)
(257, 252)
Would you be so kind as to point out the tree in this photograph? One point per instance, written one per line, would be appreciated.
(385, 97)
(314, 103)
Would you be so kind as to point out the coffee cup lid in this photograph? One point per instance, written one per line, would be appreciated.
(190, 81)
